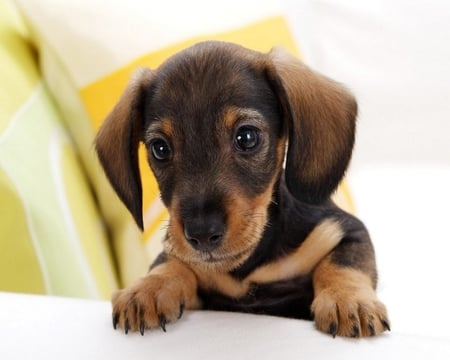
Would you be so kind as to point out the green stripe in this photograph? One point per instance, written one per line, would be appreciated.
(26, 156)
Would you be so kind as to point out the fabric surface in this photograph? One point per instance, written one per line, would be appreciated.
(51, 238)
(55, 328)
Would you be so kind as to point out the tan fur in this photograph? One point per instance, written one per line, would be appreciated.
(246, 222)
(247, 219)
(345, 302)
(315, 247)
(318, 244)
(165, 290)
(233, 114)
(176, 244)
(163, 127)
(221, 282)
(317, 105)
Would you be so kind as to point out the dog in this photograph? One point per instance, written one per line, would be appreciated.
(247, 149)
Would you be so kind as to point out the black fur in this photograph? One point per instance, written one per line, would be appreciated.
(194, 108)
(185, 104)
(290, 298)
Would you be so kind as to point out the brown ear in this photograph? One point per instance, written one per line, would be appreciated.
(321, 117)
(117, 144)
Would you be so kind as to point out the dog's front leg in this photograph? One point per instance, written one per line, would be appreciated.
(345, 302)
(156, 299)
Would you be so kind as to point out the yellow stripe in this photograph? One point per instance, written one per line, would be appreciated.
(343, 198)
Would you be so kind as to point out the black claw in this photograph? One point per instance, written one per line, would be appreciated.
(181, 310)
(127, 326)
(386, 324)
(356, 331)
(115, 320)
(371, 328)
(162, 322)
(142, 327)
(333, 329)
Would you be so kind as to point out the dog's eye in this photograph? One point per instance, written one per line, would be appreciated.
(161, 150)
(247, 138)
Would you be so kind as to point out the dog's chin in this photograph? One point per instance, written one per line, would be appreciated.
(224, 260)
(219, 260)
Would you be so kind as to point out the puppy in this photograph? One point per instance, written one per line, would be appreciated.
(247, 149)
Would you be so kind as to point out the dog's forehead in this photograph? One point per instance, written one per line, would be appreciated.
(198, 84)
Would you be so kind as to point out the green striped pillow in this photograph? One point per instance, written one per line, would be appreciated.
(51, 236)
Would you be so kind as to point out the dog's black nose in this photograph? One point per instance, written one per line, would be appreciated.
(204, 234)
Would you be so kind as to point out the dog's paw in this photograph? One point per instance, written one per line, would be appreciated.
(349, 312)
(151, 302)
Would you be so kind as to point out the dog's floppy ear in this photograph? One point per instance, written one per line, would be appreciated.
(320, 115)
(118, 140)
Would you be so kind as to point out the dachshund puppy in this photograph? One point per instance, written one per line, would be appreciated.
(247, 149)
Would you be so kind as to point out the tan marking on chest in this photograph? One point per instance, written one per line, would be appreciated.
(316, 246)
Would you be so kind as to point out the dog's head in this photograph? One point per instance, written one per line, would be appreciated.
(215, 119)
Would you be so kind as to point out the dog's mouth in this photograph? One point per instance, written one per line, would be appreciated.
(222, 259)
(210, 257)
(218, 258)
